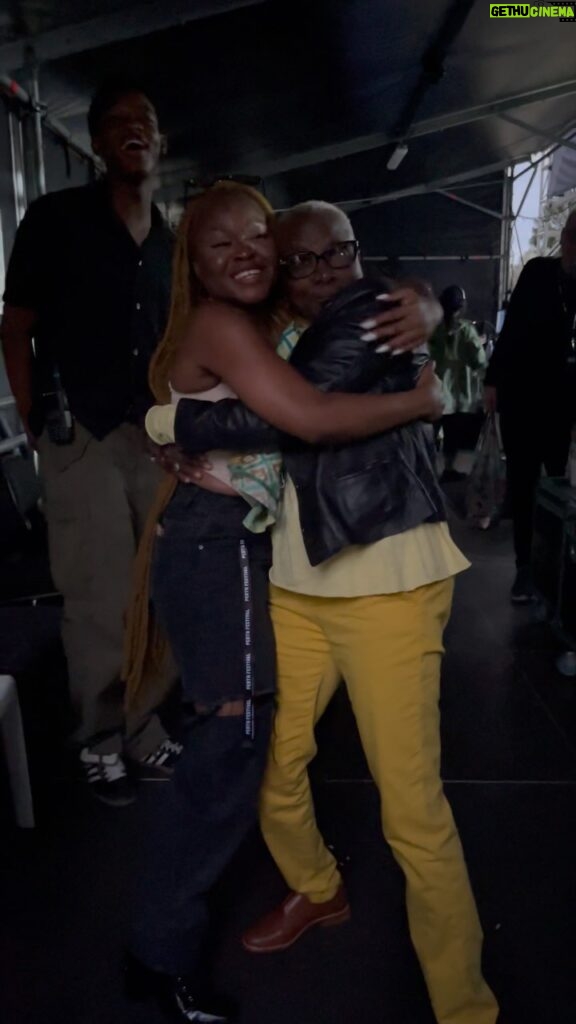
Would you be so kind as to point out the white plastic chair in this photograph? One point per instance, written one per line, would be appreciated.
(15, 750)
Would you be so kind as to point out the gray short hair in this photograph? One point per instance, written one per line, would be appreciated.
(312, 206)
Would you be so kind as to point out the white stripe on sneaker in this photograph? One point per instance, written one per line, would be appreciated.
(102, 767)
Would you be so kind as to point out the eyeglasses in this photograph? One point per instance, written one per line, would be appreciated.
(303, 264)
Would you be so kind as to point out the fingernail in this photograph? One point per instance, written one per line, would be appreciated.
(398, 352)
(383, 297)
(185, 480)
(369, 336)
(198, 476)
(383, 348)
(368, 324)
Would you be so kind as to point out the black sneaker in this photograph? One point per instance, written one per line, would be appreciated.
(180, 999)
(522, 591)
(159, 765)
(107, 778)
(192, 1006)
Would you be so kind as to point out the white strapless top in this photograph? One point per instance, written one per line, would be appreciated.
(219, 459)
(220, 390)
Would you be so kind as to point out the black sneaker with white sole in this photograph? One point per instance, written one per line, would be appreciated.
(178, 996)
(192, 1006)
(107, 778)
(159, 765)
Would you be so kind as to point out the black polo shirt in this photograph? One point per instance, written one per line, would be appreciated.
(101, 301)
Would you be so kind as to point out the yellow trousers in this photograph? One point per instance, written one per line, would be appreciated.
(389, 650)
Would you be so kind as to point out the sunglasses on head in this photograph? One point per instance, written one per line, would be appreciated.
(200, 184)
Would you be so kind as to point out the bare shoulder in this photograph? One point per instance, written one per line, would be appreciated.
(218, 316)
(216, 328)
(194, 363)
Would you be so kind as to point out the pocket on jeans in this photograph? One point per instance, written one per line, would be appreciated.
(176, 556)
(185, 529)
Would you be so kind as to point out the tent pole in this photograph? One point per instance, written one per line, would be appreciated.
(505, 236)
(37, 141)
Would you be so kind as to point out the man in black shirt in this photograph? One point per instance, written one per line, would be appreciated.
(531, 379)
(89, 283)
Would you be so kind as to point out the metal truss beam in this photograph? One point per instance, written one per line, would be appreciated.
(15, 93)
(534, 163)
(128, 23)
(525, 193)
(478, 257)
(559, 139)
(352, 205)
(467, 202)
(263, 165)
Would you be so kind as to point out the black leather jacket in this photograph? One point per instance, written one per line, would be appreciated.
(354, 493)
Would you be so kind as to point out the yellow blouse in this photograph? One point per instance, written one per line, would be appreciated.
(404, 562)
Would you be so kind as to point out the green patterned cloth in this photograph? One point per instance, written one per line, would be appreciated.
(258, 478)
(460, 362)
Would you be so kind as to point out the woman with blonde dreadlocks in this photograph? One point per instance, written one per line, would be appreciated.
(209, 580)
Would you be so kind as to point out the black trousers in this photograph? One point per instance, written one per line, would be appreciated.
(192, 827)
(531, 441)
(210, 592)
(461, 431)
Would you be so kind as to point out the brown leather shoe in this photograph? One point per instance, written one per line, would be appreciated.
(284, 925)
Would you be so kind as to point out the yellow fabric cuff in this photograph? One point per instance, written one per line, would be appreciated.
(159, 423)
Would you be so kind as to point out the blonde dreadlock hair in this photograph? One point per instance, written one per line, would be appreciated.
(187, 291)
(148, 669)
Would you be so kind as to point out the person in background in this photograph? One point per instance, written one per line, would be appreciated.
(531, 381)
(460, 358)
(86, 301)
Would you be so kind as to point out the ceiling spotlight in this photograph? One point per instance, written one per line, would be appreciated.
(397, 157)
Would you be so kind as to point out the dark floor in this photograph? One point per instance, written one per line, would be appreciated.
(510, 769)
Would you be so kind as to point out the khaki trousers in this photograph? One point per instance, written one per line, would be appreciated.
(389, 651)
(98, 494)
